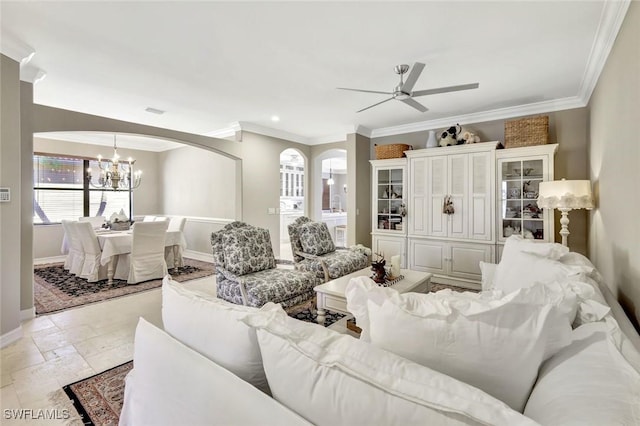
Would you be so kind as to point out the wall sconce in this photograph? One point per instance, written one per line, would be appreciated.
(345, 188)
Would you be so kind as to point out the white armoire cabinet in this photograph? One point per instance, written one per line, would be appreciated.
(451, 211)
(389, 209)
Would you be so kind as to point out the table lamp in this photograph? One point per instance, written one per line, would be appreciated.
(565, 195)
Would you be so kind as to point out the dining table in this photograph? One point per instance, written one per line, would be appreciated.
(115, 243)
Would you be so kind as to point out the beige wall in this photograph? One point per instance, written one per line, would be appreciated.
(614, 160)
(26, 200)
(197, 182)
(359, 179)
(566, 128)
(10, 216)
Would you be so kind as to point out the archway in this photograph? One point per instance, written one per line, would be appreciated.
(293, 186)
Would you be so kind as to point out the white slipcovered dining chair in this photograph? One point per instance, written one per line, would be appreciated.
(148, 218)
(146, 260)
(92, 270)
(66, 245)
(96, 221)
(161, 219)
(75, 257)
(173, 254)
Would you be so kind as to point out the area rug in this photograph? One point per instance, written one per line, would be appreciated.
(56, 289)
(98, 399)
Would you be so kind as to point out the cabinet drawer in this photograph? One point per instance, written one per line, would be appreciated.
(336, 304)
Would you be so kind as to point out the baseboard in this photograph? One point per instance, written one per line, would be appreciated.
(53, 259)
(27, 314)
(10, 337)
(198, 255)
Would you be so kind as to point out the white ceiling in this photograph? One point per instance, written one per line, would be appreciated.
(212, 65)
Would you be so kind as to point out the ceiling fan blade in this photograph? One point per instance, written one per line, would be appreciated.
(412, 77)
(445, 89)
(366, 91)
(417, 105)
(371, 106)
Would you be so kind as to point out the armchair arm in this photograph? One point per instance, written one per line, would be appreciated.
(323, 264)
(236, 279)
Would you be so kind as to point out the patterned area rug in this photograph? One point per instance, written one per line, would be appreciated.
(98, 399)
(56, 289)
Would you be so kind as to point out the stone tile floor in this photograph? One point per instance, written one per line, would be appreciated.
(60, 348)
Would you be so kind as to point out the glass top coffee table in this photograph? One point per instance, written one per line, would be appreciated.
(330, 295)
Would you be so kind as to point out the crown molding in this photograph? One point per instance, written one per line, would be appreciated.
(225, 132)
(15, 49)
(479, 117)
(32, 74)
(613, 14)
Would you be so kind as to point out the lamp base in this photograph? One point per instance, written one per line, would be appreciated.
(564, 222)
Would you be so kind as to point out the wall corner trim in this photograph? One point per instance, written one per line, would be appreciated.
(27, 314)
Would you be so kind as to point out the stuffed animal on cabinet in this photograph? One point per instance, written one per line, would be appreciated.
(449, 137)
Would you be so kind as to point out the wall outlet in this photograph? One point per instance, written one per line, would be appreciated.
(272, 210)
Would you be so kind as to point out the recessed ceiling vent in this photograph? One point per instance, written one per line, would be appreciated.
(154, 111)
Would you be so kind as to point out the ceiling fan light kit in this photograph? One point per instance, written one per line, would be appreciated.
(403, 92)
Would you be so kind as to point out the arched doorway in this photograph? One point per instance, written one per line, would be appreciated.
(292, 195)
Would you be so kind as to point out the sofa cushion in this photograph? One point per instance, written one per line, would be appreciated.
(344, 381)
(495, 344)
(587, 383)
(211, 327)
(315, 238)
(247, 250)
(172, 384)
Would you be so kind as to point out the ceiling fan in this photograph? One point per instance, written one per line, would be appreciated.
(403, 91)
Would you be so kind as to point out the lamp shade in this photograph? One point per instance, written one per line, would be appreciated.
(569, 194)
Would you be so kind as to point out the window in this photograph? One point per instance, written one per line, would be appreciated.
(61, 192)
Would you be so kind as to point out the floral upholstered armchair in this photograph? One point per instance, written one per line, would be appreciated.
(246, 272)
(314, 251)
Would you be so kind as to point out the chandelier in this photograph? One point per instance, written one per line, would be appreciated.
(116, 174)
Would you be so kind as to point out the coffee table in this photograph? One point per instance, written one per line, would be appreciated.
(330, 295)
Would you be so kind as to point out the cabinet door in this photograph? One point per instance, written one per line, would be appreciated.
(390, 246)
(458, 179)
(418, 199)
(428, 256)
(437, 190)
(464, 260)
(480, 196)
(389, 198)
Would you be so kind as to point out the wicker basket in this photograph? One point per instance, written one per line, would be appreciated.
(394, 150)
(526, 132)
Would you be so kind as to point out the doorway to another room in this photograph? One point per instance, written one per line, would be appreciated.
(334, 196)
(292, 193)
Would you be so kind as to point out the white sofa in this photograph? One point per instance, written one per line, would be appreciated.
(317, 376)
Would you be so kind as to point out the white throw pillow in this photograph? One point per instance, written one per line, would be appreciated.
(587, 383)
(488, 271)
(210, 326)
(517, 244)
(524, 269)
(334, 379)
(495, 344)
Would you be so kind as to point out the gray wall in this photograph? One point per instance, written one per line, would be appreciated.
(566, 128)
(10, 216)
(614, 160)
(359, 195)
